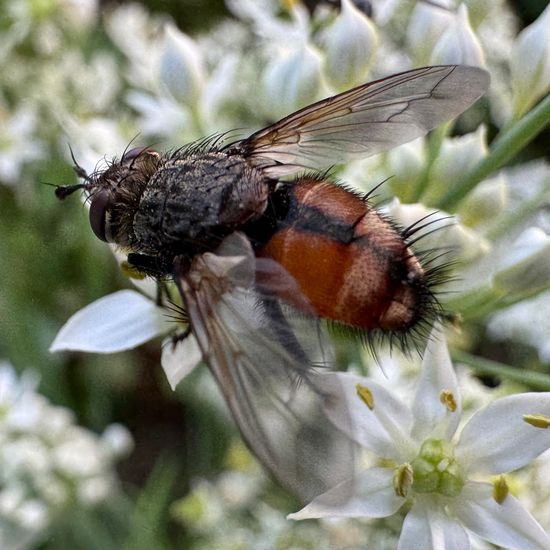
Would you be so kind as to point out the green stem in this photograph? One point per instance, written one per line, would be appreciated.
(534, 380)
(475, 303)
(504, 148)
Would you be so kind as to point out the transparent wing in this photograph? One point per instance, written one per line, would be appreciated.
(264, 363)
(366, 120)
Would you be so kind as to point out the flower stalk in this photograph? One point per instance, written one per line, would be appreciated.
(534, 380)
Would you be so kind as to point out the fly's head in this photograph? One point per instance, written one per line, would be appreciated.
(115, 193)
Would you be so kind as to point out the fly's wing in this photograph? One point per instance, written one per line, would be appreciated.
(263, 362)
(366, 120)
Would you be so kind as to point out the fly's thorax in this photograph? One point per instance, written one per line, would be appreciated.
(195, 199)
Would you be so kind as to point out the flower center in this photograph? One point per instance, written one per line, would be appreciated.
(435, 469)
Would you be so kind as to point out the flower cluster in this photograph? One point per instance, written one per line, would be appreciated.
(48, 464)
(235, 510)
(424, 466)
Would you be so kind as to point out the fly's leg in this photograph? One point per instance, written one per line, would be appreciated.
(153, 266)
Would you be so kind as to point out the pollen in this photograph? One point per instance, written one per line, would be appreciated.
(537, 420)
(448, 399)
(365, 395)
(402, 479)
(131, 271)
(500, 489)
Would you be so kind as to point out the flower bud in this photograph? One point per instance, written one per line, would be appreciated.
(526, 268)
(292, 80)
(350, 41)
(180, 70)
(530, 64)
(527, 322)
(464, 244)
(406, 164)
(117, 441)
(81, 14)
(426, 25)
(458, 44)
(456, 157)
(485, 202)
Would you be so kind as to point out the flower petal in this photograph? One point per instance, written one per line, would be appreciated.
(370, 494)
(507, 524)
(427, 527)
(432, 417)
(383, 429)
(116, 322)
(497, 439)
(180, 360)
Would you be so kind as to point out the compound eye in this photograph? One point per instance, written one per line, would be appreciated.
(98, 213)
(136, 152)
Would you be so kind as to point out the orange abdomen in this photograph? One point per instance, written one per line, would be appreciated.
(351, 264)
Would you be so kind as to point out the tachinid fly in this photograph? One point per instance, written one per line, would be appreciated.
(260, 247)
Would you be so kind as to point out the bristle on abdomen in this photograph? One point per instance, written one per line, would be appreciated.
(353, 265)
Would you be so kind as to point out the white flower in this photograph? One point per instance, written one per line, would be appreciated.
(129, 26)
(350, 44)
(530, 64)
(527, 322)
(291, 80)
(485, 202)
(116, 322)
(180, 360)
(79, 13)
(218, 92)
(526, 266)
(383, 10)
(18, 142)
(116, 440)
(124, 320)
(181, 70)
(456, 157)
(406, 165)
(158, 115)
(426, 25)
(90, 137)
(263, 15)
(444, 233)
(432, 470)
(458, 44)
(135, 33)
(46, 460)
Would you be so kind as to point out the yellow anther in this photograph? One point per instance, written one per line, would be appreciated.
(131, 271)
(289, 4)
(448, 399)
(365, 395)
(500, 489)
(537, 420)
(402, 479)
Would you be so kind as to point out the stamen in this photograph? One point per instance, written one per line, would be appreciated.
(365, 395)
(402, 479)
(131, 271)
(448, 399)
(537, 420)
(500, 489)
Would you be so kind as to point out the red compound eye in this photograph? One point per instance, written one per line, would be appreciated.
(98, 213)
